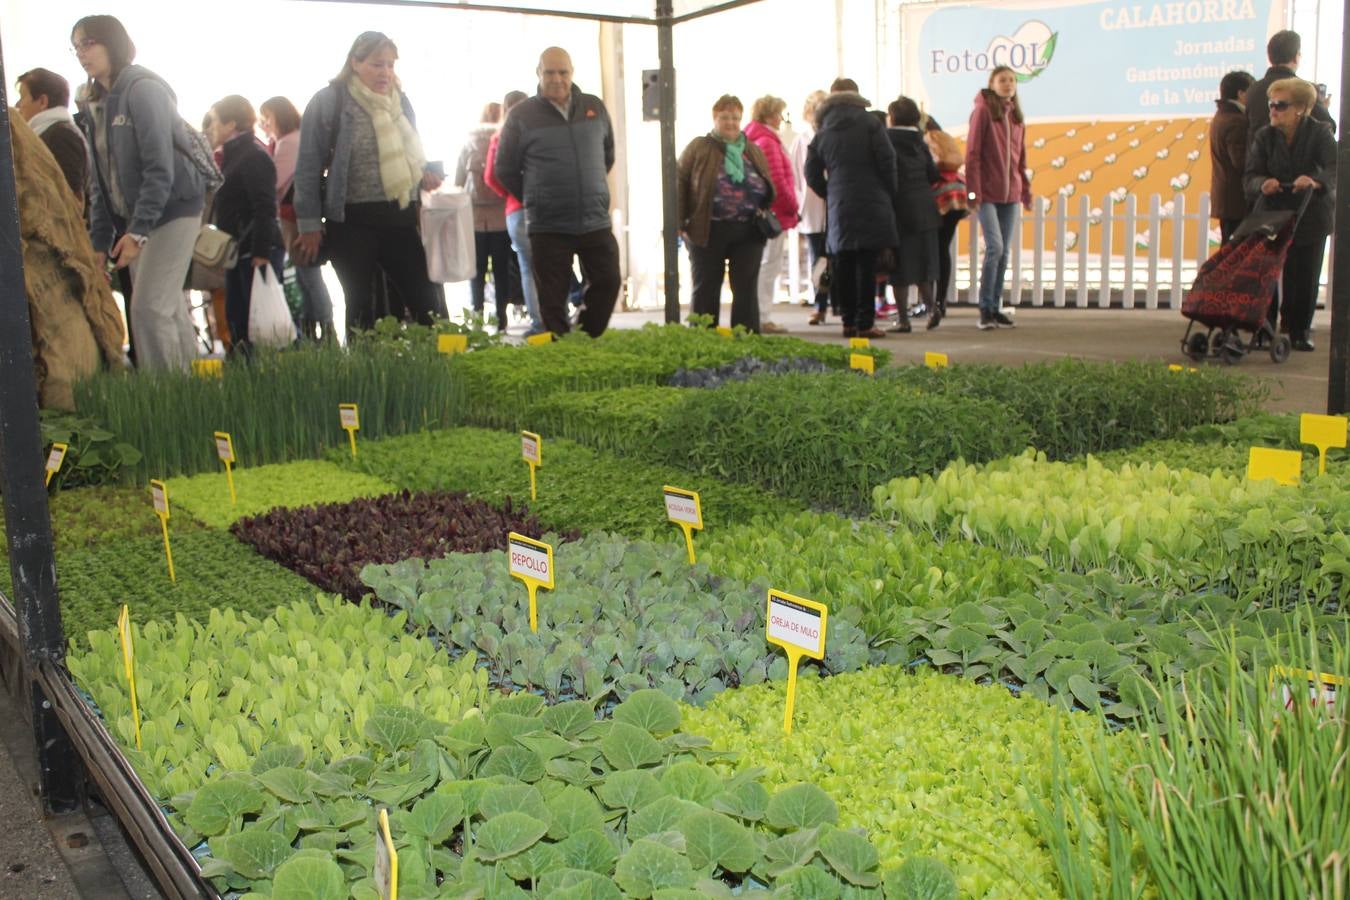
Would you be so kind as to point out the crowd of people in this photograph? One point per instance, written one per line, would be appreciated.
(1272, 141)
(876, 195)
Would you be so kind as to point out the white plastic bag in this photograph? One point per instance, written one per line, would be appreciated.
(447, 234)
(269, 318)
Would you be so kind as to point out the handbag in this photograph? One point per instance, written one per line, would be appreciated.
(768, 225)
(215, 249)
(269, 318)
(446, 219)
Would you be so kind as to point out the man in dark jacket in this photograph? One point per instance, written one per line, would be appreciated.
(1228, 153)
(852, 165)
(555, 152)
(44, 100)
(1283, 50)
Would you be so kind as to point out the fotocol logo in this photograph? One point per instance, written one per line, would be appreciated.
(1027, 53)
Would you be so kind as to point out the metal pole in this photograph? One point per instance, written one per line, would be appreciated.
(1338, 291)
(665, 45)
(31, 557)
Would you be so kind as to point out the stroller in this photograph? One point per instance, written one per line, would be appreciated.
(1233, 289)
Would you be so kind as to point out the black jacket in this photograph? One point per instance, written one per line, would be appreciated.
(915, 172)
(558, 166)
(246, 203)
(852, 165)
(1313, 153)
(1258, 113)
(67, 145)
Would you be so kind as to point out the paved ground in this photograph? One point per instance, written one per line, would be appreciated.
(30, 864)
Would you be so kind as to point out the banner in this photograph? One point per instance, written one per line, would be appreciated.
(1085, 61)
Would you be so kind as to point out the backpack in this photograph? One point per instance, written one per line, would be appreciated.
(195, 146)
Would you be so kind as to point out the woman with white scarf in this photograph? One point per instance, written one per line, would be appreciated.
(357, 183)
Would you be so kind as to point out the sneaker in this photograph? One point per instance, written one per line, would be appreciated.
(772, 328)
(1001, 319)
(986, 321)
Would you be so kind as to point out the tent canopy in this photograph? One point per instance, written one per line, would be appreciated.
(629, 12)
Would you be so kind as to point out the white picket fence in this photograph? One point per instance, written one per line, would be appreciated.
(1079, 255)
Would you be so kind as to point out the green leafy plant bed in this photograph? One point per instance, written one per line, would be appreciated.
(330, 543)
(930, 765)
(623, 616)
(1074, 407)
(278, 407)
(276, 740)
(621, 421)
(828, 439)
(259, 489)
(212, 569)
(94, 455)
(577, 487)
(499, 385)
(1175, 529)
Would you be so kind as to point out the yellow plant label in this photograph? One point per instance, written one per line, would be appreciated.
(129, 664)
(1323, 432)
(159, 495)
(1285, 466)
(538, 340)
(224, 447)
(862, 362)
(452, 343)
(936, 360)
(798, 626)
(348, 415)
(55, 457)
(724, 331)
(208, 368)
(386, 860)
(531, 448)
(686, 510)
(1287, 684)
(860, 343)
(1179, 368)
(532, 562)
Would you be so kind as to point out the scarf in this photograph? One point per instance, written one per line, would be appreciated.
(734, 162)
(49, 117)
(401, 157)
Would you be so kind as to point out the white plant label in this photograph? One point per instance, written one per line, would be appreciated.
(683, 507)
(529, 448)
(796, 624)
(531, 560)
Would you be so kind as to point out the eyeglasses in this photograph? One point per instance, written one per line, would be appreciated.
(80, 46)
(1280, 105)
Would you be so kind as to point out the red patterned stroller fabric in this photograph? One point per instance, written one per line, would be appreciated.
(1234, 287)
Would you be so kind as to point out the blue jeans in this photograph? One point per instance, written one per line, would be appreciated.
(520, 242)
(997, 221)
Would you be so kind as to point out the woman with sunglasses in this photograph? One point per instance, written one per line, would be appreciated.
(1292, 155)
(146, 195)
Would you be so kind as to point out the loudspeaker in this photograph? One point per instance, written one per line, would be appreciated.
(651, 95)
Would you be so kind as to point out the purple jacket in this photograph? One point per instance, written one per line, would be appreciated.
(996, 155)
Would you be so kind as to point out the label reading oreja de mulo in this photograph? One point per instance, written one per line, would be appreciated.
(683, 507)
(797, 624)
(530, 560)
(532, 448)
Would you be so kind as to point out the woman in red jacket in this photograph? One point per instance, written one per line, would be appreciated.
(996, 174)
(767, 115)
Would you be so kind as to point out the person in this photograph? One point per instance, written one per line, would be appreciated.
(916, 217)
(766, 118)
(852, 165)
(1228, 153)
(996, 174)
(515, 221)
(1296, 150)
(1285, 51)
(724, 181)
(811, 209)
(75, 323)
(490, 238)
(950, 195)
(246, 207)
(280, 121)
(555, 152)
(146, 195)
(360, 132)
(44, 103)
